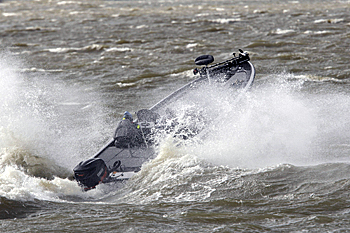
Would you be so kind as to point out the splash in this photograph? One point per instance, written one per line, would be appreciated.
(43, 124)
(17, 185)
(283, 119)
(173, 176)
(283, 122)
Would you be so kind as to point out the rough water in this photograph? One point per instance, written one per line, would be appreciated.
(277, 160)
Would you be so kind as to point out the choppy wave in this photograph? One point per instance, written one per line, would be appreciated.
(275, 123)
(178, 177)
(275, 161)
(277, 146)
(11, 209)
(90, 48)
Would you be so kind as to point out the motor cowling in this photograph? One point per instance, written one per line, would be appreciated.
(90, 173)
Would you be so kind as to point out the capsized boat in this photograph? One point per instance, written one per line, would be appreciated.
(133, 142)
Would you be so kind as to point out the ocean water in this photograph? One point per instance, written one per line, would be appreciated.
(277, 160)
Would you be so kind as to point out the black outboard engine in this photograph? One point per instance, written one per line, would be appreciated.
(90, 173)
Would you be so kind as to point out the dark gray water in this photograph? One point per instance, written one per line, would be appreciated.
(279, 161)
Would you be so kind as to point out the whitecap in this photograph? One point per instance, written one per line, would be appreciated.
(320, 21)
(68, 2)
(10, 14)
(141, 26)
(75, 12)
(114, 49)
(93, 47)
(86, 48)
(191, 45)
(335, 20)
(220, 9)
(226, 21)
(281, 31)
(328, 20)
(125, 84)
(317, 32)
(34, 69)
(59, 50)
(202, 14)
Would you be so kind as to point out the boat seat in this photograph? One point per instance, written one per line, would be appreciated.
(204, 60)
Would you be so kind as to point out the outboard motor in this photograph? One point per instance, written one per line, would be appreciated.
(90, 173)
